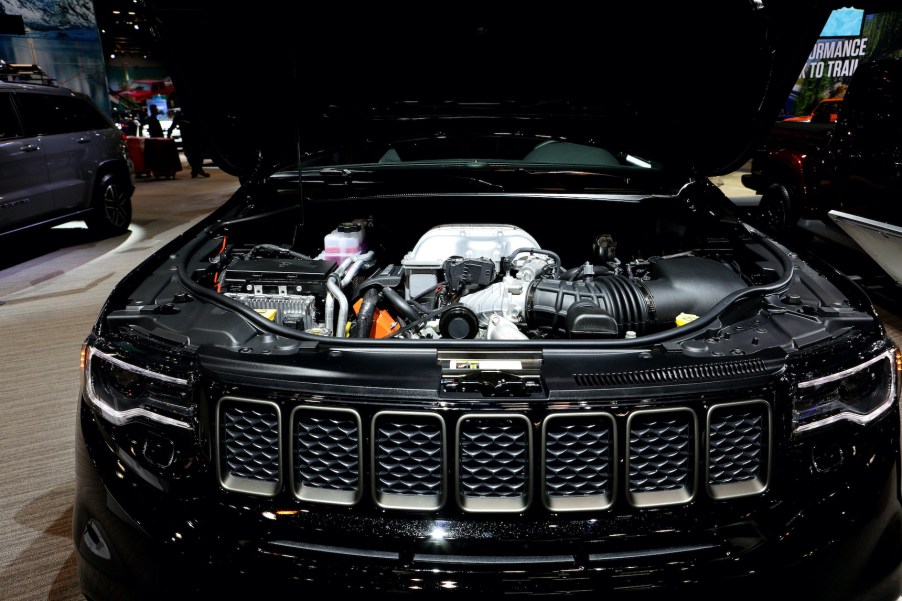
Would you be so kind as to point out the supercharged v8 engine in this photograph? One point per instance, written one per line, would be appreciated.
(467, 281)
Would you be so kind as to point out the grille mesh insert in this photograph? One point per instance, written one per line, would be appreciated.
(250, 441)
(659, 451)
(409, 457)
(494, 456)
(578, 457)
(736, 444)
(327, 452)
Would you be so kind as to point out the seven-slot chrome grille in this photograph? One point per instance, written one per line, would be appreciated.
(495, 462)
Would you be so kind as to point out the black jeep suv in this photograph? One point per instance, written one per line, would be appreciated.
(477, 322)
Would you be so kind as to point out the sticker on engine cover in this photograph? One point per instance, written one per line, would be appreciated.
(484, 364)
(269, 314)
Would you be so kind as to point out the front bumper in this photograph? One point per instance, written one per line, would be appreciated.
(839, 537)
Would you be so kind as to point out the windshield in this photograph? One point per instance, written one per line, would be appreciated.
(474, 150)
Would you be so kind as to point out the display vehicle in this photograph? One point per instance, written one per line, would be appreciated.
(61, 158)
(477, 322)
(840, 182)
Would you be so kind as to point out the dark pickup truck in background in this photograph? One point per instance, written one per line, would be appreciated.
(842, 181)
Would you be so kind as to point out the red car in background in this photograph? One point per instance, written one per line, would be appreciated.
(141, 90)
(826, 111)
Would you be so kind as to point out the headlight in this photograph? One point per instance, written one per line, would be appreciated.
(859, 395)
(123, 392)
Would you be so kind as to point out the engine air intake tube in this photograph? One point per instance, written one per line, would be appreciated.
(620, 297)
(676, 285)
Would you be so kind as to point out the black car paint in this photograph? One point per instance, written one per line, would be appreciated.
(374, 551)
(177, 494)
(153, 517)
(321, 80)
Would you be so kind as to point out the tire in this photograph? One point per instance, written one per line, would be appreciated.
(112, 207)
(777, 210)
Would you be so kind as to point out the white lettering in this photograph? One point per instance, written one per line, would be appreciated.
(838, 49)
(833, 68)
(846, 68)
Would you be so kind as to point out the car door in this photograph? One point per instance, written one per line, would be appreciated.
(25, 190)
(73, 134)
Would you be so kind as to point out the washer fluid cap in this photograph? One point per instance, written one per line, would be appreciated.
(684, 318)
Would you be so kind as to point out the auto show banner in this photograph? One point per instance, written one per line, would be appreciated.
(849, 38)
(61, 37)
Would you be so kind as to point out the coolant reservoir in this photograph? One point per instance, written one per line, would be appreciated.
(344, 241)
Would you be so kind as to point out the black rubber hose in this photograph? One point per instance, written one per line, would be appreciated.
(572, 273)
(401, 306)
(366, 312)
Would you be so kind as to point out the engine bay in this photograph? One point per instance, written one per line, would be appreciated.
(486, 281)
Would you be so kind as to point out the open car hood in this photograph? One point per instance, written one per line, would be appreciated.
(691, 85)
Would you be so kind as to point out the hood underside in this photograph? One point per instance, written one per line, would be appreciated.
(690, 85)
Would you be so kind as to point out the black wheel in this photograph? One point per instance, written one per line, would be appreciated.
(112, 205)
(776, 210)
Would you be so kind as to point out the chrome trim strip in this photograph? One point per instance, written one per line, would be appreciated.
(855, 418)
(120, 418)
(621, 555)
(491, 560)
(331, 550)
(888, 354)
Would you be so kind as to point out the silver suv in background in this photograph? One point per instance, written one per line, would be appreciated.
(61, 159)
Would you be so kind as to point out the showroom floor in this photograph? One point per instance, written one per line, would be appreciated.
(51, 289)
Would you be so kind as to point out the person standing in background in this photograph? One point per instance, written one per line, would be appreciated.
(154, 129)
(190, 144)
